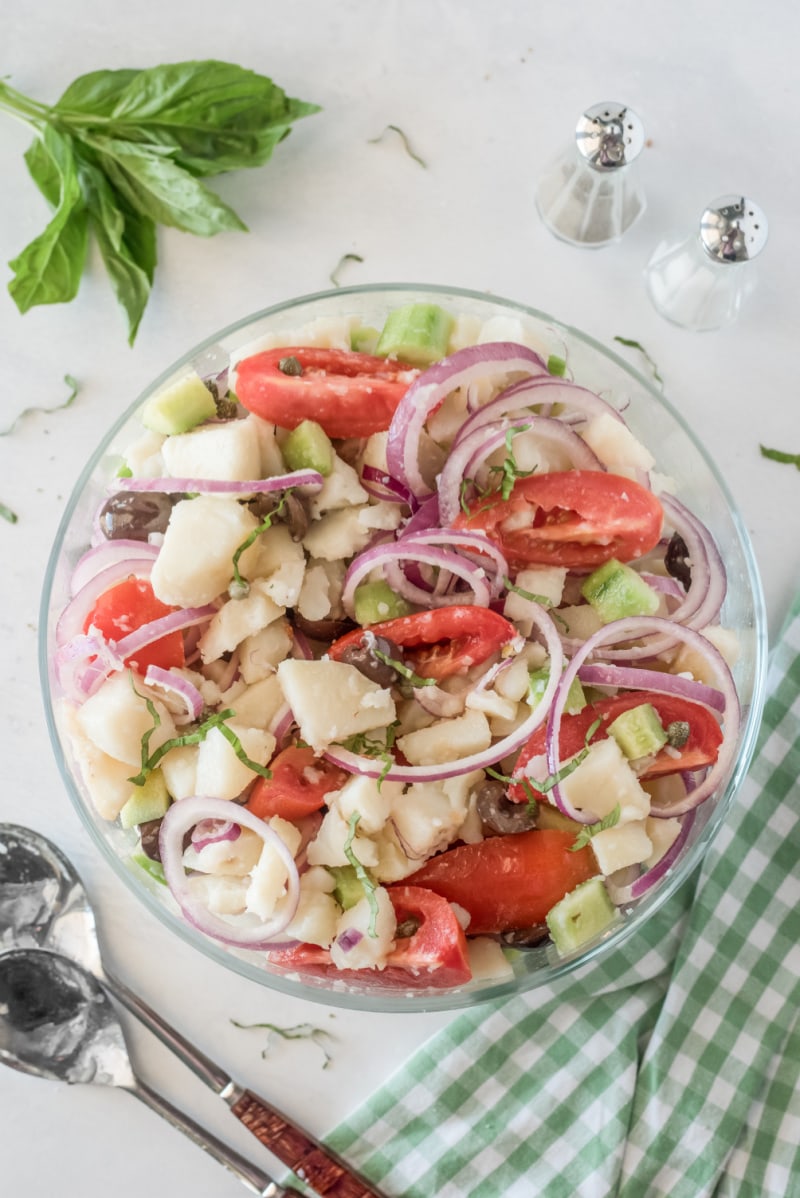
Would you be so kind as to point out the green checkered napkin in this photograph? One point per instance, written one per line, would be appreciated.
(673, 1068)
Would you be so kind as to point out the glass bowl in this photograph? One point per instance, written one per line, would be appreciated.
(679, 455)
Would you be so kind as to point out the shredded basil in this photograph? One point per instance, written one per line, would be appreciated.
(402, 669)
(589, 830)
(7, 514)
(542, 600)
(74, 388)
(362, 875)
(406, 143)
(777, 455)
(509, 470)
(366, 746)
(344, 259)
(150, 761)
(240, 586)
(636, 345)
(300, 1031)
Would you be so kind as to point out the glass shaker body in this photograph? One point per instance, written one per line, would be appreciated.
(592, 193)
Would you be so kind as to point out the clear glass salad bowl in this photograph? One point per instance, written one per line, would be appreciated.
(650, 417)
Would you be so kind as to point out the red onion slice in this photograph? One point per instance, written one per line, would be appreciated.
(185, 690)
(175, 621)
(381, 485)
(629, 678)
(137, 556)
(376, 768)
(181, 818)
(542, 390)
(387, 555)
(220, 486)
(633, 628)
(430, 389)
(620, 895)
(214, 831)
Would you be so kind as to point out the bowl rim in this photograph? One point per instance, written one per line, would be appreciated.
(386, 1002)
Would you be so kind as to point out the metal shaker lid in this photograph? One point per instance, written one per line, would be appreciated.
(733, 229)
(609, 135)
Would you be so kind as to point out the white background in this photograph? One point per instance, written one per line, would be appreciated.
(487, 94)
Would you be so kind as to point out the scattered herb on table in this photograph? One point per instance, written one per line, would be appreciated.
(74, 388)
(637, 345)
(123, 151)
(342, 261)
(7, 514)
(777, 455)
(406, 143)
(300, 1031)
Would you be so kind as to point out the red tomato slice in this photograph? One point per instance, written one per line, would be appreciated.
(127, 606)
(570, 518)
(442, 642)
(348, 394)
(300, 784)
(507, 882)
(700, 750)
(435, 956)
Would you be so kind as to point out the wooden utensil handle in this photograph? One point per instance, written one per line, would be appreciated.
(317, 1166)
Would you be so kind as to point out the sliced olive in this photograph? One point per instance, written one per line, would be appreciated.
(362, 657)
(676, 560)
(329, 629)
(498, 814)
(526, 937)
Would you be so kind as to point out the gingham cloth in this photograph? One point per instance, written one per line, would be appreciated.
(673, 1068)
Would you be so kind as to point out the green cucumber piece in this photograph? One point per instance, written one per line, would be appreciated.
(147, 802)
(179, 408)
(364, 339)
(416, 333)
(580, 916)
(348, 889)
(576, 699)
(376, 601)
(615, 590)
(308, 447)
(638, 731)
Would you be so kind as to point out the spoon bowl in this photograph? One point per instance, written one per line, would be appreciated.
(58, 1023)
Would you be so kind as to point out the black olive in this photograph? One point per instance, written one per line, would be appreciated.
(498, 814)
(329, 629)
(295, 516)
(526, 937)
(361, 656)
(149, 835)
(134, 515)
(676, 560)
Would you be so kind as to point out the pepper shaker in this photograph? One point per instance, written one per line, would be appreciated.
(701, 282)
(592, 193)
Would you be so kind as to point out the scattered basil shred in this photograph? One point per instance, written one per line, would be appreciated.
(300, 1031)
(74, 387)
(589, 830)
(637, 345)
(345, 258)
(217, 720)
(123, 151)
(406, 143)
(362, 875)
(777, 455)
(7, 514)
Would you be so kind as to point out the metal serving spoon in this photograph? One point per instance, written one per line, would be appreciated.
(57, 1022)
(43, 904)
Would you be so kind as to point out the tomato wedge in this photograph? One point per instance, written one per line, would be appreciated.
(435, 956)
(300, 784)
(700, 749)
(127, 606)
(507, 883)
(570, 518)
(442, 642)
(347, 393)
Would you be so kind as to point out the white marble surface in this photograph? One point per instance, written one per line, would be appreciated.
(487, 93)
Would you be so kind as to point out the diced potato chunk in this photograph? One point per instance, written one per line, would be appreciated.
(327, 847)
(256, 705)
(342, 488)
(236, 620)
(662, 833)
(230, 858)
(337, 535)
(623, 845)
(220, 773)
(195, 563)
(115, 718)
(316, 917)
(106, 779)
(279, 565)
(371, 950)
(269, 875)
(604, 779)
(615, 444)
(362, 795)
(447, 740)
(332, 700)
(228, 451)
(487, 960)
(179, 769)
(259, 655)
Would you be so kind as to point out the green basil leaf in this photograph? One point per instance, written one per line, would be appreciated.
(44, 171)
(97, 93)
(127, 242)
(218, 116)
(49, 269)
(158, 188)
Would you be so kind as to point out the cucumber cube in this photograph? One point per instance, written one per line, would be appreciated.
(147, 802)
(615, 590)
(348, 889)
(417, 334)
(179, 408)
(376, 601)
(308, 447)
(638, 731)
(580, 916)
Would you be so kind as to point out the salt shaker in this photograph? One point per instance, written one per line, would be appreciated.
(592, 193)
(700, 283)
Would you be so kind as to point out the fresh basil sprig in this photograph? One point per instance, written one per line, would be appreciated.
(124, 151)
